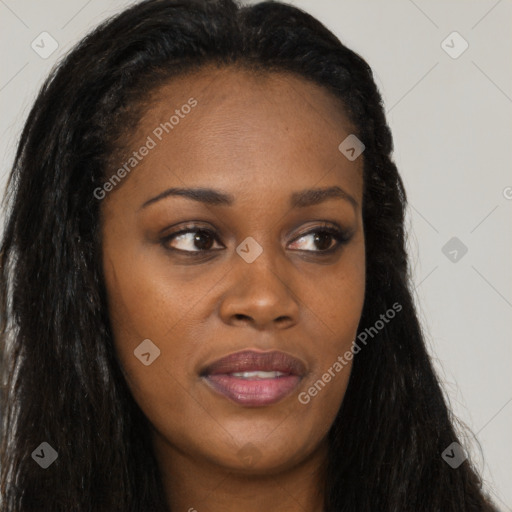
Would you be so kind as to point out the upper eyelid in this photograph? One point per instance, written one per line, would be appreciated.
(193, 229)
(327, 227)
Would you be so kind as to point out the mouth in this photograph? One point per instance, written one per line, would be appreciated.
(254, 379)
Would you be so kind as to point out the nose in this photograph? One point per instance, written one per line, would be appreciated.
(260, 294)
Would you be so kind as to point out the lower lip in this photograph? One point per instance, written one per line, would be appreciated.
(253, 393)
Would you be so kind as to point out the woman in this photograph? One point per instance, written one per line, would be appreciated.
(272, 361)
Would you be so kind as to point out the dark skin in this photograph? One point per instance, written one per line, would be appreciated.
(258, 138)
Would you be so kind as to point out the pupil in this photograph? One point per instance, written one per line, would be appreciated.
(200, 243)
(325, 238)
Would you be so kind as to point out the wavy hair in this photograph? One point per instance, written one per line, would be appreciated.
(61, 380)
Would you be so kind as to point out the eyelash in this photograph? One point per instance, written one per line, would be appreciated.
(339, 235)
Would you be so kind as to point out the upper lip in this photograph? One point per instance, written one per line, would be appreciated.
(251, 360)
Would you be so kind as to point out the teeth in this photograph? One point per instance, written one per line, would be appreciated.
(257, 375)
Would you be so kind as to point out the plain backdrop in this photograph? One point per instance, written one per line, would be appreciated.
(448, 99)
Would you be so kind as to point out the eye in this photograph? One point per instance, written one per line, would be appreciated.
(192, 239)
(196, 240)
(326, 239)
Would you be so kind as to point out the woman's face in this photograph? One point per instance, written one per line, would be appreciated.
(255, 272)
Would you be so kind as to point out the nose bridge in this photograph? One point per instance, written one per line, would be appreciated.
(260, 289)
(263, 270)
(259, 268)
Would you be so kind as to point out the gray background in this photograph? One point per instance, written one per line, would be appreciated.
(452, 124)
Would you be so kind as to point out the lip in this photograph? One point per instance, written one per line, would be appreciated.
(254, 392)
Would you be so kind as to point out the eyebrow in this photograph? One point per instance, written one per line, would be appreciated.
(301, 199)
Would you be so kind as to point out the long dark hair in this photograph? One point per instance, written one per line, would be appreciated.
(62, 383)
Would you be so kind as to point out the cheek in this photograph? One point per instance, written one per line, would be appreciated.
(334, 296)
(143, 306)
(151, 298)
(335, 304)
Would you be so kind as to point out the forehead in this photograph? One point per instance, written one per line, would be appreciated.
(263, 128)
